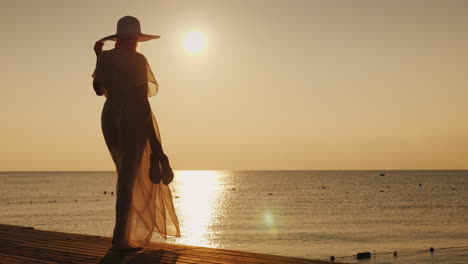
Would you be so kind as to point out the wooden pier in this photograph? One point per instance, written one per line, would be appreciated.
(26, 245)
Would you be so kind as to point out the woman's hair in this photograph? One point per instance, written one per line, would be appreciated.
(126, 43)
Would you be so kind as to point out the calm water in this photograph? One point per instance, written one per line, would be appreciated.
(311, 214)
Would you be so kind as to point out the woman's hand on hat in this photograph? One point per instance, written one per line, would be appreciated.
(98, 47)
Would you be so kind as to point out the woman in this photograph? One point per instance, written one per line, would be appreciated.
(124, 77)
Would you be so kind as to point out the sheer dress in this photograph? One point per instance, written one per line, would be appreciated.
(126, 80)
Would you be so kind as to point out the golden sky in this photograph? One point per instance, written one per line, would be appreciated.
(279, 84)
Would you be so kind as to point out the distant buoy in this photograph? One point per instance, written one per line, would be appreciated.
(105, 192)
(332, 258)
(363, 255)
(420, 185)
(431, 249)
(382, 174)
(395, 253)
(270, 193)
(112, 193)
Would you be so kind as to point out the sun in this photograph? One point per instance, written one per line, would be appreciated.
(194, 42)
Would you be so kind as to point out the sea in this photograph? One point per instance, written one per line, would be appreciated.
(307, 214)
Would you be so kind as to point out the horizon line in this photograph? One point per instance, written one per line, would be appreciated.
(248, 170)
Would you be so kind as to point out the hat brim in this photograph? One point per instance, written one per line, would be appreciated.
(140, 37)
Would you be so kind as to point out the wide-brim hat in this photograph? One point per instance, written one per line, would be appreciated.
(129, 27)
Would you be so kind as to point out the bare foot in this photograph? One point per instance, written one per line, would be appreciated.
(128, 248)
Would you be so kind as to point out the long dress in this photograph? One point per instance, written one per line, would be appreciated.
(142, 207)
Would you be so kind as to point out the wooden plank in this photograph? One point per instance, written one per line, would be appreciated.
(6, 227)
(229, 253)
(61, 251)
(61, 247)
(8, 259)
(57, 245)
(250, 258)
(67, 247)
(100, 242)
(27, 245)
(244, 254)
(46, 254)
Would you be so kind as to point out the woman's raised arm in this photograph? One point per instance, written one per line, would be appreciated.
(97, 49)
(97, 88)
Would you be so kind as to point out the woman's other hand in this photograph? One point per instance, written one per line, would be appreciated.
(98, 47)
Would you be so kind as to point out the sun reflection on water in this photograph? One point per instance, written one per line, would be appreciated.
(198, 194)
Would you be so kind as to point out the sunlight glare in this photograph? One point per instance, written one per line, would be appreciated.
(268, 218)
(194, 42)
(200, 191)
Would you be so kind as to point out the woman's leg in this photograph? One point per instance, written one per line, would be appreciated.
(127, 142)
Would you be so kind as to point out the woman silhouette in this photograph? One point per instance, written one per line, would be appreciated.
(124, 77)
